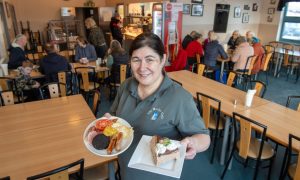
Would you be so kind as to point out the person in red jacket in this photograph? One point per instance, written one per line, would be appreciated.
(192, 49)
(259, 52)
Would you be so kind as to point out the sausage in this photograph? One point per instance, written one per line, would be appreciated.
(119, 141)
(111, 145)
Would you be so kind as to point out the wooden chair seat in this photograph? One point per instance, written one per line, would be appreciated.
(267, 151)
(91, 86)
(213, 123)
(292, 170)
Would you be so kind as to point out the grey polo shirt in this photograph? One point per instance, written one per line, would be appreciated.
(169, 112)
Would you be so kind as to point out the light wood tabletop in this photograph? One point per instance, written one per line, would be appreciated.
(90, 64)
(280, 121)
(42, 145)
(34, 74)
(226, 94)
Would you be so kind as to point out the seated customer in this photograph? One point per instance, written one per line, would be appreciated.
(259, 52)
(16, 52)
(53, 63)
(232, 41)
(187, 39)
(207, 40)
(25, 84)
(241, 53)
(192, 49)
(84, 51)
(117, 56)
(251, 37)
(212, 50)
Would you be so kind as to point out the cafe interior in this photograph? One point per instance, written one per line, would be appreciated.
(54, 122)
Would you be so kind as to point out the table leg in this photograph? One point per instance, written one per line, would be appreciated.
(111, 171)
(221, 73)
(225, 140)
(231, 145)
(276, 65)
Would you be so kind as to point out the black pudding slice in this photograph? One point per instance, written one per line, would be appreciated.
(100, 141)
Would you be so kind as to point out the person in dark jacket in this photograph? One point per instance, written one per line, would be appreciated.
(187, 39)
(212, 50)
(53, 63)
(115, 28)
(232, 41)
(96, 37)
(117, 56)
(16, 52)
(84, 51)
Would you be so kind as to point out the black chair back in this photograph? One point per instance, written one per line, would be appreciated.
(54, 171)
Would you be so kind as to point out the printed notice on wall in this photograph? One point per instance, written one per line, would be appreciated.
(172, 32)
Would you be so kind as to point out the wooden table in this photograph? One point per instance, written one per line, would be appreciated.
(90, 64)
(223, 61)
(226, 94)
(39, 136)
(278, 62)
(281, 121)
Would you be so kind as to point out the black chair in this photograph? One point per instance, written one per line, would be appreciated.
(87, 80)
(119, 73)
(94, 96)
(288, 102)
(212, 119)
(245, 74)
(260, 88)
(9, 84)
(250, 147)
(78, 175)
(177, 82)
(67, 77)
(52, 90)
(5, 178)
(289, 168)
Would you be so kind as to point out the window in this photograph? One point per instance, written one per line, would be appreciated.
(290, 27)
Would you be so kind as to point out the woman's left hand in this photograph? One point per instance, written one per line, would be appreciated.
(190, 148)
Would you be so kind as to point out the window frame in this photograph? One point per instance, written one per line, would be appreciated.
(287, 19)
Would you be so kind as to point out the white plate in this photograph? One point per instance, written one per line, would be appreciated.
(126, 142)
(143, 160)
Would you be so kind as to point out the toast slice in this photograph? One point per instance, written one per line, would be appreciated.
(162, 157)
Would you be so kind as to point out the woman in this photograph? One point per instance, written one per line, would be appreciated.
(207, 40)
(116, 31)
(117, 56)
(147, 102)
(193, 48)
(232, 41)
(96, 37)
(84, 51)
(241, 54)
(212, 50)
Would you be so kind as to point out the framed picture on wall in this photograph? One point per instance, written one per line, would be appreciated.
(237, 12)
(270, 19)
(271, 10)
(254, 7)
(186, 9)
(246, 7)
(197, 10)
(245, 18)
(273, 2)
(197, 1)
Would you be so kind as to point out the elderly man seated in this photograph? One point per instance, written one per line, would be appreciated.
(16, 52)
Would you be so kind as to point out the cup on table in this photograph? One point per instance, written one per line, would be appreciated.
(98, 61)
(4, 68)
(249, 97)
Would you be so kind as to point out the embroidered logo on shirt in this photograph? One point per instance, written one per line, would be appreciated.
(155, 113)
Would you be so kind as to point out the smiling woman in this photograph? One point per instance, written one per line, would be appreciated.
(146, 101)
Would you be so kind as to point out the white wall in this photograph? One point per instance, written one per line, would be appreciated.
(205, 23)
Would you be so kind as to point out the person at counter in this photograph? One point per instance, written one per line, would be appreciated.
(147, 102)
(116, 31)
(96, 37)
(53, 63)
(84, 51)
(16, 52)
